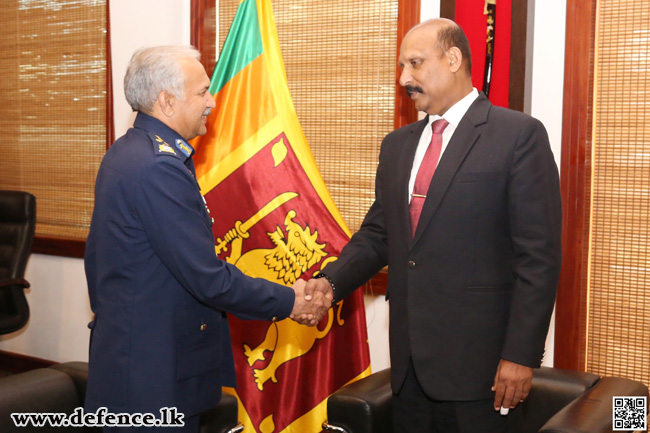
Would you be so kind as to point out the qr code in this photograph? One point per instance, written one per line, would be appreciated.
(630, 413)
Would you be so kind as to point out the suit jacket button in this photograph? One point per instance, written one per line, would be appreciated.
(204, 327)
(411, 264)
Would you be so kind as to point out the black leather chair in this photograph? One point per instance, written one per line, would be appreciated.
(560, 401)
(61, 389)
(17, 223)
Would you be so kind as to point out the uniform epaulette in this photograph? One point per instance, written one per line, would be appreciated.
(160, 146)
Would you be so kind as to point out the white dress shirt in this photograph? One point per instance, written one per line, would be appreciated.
(453, 116)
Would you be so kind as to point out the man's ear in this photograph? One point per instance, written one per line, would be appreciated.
(455, 58)
(166, 102)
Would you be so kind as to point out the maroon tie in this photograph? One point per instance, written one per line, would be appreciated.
(425, 173)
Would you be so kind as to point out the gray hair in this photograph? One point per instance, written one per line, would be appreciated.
(153, 70)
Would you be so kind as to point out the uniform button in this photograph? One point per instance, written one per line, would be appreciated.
(274, 319)
(411, 264)
(204, 327)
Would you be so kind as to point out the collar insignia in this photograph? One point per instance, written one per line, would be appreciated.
(180, 144)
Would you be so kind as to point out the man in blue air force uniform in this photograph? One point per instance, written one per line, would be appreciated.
(158, 292)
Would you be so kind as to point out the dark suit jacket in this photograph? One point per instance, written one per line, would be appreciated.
(159, 293)
(478, 281)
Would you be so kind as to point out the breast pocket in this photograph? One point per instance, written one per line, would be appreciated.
(198, 342)
(472, 193)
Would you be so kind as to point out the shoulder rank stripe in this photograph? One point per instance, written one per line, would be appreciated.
(166, 148)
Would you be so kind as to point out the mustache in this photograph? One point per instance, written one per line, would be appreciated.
(412, 89)
(207, 111)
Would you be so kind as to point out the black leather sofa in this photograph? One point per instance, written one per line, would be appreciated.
(560, 401)
(62, 388)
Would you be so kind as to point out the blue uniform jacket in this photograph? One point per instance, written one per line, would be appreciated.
(158, 291)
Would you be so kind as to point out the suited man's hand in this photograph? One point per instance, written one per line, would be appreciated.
(511, 384)
(308, 311)
(319, 285)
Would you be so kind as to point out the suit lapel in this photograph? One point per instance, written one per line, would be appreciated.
(466, 134)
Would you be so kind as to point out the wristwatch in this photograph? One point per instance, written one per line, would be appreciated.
(329, 280)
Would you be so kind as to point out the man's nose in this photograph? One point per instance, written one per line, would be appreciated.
(211, 103)
(405, 77)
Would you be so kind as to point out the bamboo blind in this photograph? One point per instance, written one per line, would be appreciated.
(619, 280)
(53, 116)
(340, 59)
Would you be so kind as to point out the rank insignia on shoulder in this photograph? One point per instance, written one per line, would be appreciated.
(166, 148)
(158, 139)
(183, 147)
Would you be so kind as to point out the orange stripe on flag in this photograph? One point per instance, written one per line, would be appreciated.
(248, 96)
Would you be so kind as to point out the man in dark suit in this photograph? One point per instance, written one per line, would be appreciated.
(472, 278)
(158, 292)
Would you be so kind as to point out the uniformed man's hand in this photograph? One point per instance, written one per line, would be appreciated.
(511, 384)
(309, 311)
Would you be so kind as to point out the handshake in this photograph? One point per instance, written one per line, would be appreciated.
(313, 300)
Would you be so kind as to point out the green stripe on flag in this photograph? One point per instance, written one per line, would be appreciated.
(243, 45)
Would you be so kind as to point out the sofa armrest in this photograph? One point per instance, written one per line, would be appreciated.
(36, 391)
(78, 371)
(362, 407)
(551, 390)
(592, 412)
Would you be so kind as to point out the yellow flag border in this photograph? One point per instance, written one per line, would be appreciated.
(299, 425)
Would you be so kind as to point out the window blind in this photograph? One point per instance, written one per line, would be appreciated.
(53, 116)
(618, 329)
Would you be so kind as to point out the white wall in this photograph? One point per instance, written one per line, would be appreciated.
(59, 311)
(58, 299)
(134, 26)
(547, 76)
(429, 9)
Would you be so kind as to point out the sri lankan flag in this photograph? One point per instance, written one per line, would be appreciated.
(274, 219)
